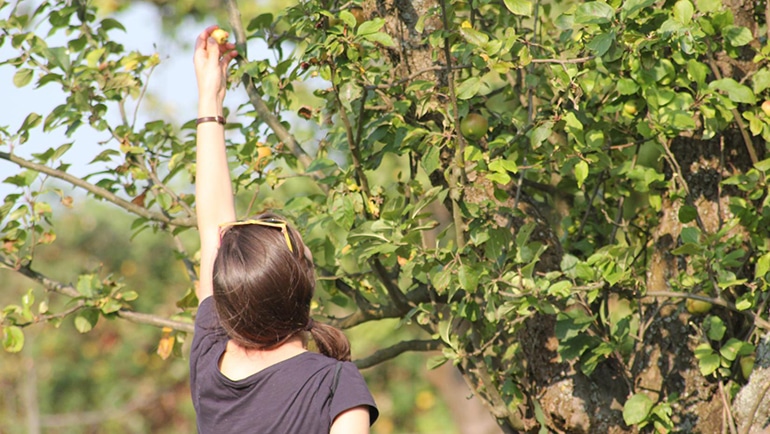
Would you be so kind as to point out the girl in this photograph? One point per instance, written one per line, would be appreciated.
(250, 370)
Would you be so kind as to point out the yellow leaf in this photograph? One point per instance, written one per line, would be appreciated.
(466, 25)
(166, 344)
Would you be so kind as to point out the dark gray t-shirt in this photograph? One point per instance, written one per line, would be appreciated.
(293, 396)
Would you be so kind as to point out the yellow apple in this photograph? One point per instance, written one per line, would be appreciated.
(220, 36)
(263, 156)
(766, 107)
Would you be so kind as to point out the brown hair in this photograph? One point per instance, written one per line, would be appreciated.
(262, 290)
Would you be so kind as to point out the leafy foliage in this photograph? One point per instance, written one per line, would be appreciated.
(623, 163)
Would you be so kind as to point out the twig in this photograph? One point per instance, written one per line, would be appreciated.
(68, 290)
(458, 165)
(156, 321)
(355, 151)
(100, 192)
(141, 95)
(564, 61)
(729, 413)
(391, 352)
(736, 115)
(398, 297)
(412, 76)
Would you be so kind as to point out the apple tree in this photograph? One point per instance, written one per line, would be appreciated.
(569, 199)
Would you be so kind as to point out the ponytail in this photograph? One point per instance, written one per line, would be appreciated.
(330, 341)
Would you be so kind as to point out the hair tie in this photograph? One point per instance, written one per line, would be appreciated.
(310, 324)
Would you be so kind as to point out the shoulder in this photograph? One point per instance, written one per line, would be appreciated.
(207, 328)
(349, 391)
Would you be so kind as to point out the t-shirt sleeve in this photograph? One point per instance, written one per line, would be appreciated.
(352, 392)
(206, 325)
(208, 333)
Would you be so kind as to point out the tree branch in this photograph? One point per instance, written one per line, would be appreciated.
(564, 61)
(391, 352)
(758, 321)
(412, 76)
(156, 321)
(458, 165)
(68, 290)
(736, 115)
(355, 151)
(251, 90)
(394, 292)
(99, 192)
(417, 296)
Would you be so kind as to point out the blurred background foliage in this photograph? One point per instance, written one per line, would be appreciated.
(111, 380)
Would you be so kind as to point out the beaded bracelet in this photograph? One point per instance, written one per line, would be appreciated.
(217, 119)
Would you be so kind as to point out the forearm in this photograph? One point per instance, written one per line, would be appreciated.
(213, 189)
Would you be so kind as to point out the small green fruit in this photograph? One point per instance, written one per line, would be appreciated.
(747, 365)
(630, 108)
(474, 126)
(697, 307)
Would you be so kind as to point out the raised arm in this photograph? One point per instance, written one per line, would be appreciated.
(213, 187)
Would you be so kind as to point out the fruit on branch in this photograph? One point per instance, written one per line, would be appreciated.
(263, 156)
(358, 13)
(220, 36)
(747, 365)
(766, 107)
(697, 307)
(474, 126)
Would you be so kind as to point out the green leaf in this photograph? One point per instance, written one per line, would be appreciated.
(372, 26)
(762, 267)
(86, 320)
(708, 360)
(632, 7)
(734, 348)
(581, 172)
(737, 36)
(683, 11)
(594, 13)
(637, 408)
(760, 80)
(469, 278)
(474, 37)
(715, 326)
(381, 38)
(348, 18)
(627, 86)
(436, 361)
(13, 339)
(601, 43)
(85, 285)
(519, 7)
(707, 6)
(468, 88)
(735, 91)
(687, 213)
(31, 121)
(22, 77)
(763, 166)
(690, 235)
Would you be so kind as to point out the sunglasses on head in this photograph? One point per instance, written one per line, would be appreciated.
(269, 222)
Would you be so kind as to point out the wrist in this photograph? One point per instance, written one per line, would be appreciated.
(210, 106)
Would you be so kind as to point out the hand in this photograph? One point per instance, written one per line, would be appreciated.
(211, 61)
